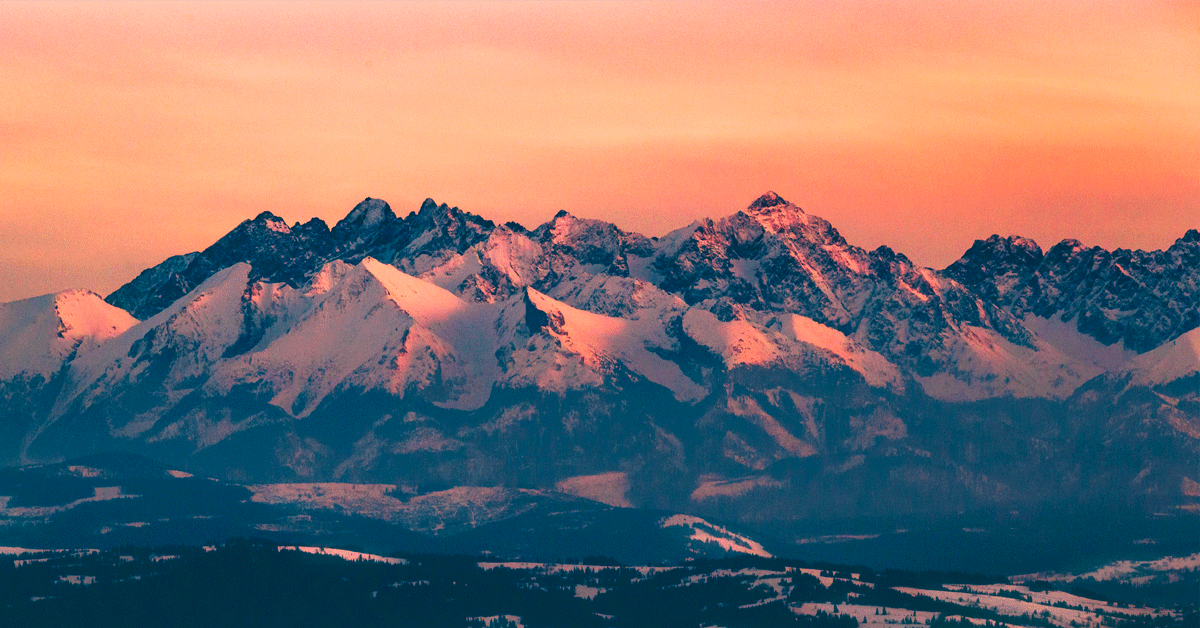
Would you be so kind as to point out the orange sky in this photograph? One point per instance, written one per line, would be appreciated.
(131, 132)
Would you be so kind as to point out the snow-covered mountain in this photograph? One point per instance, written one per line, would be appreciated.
(39, 336)
(756, 362)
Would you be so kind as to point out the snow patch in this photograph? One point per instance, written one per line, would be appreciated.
(588, 593)
(369, 500)
(554, 568)
(710, 488)
(748, 408)
(607, 488)
(459, 508)
(508, 621)
(746, 269)
(84, 472)
(100, 494)
(705, 532)
(829, 539)
(344, 554)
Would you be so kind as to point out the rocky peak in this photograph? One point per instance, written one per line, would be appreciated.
(1020, 248)
(982, 266)
(563, 221)
(515, 227)
(767, 201)
(1065, 249)
(780, 217)
(567, 230)
(315, 227)
(370, 214)
(435, 229)
(774, 213)
(275, 251)
(569, 239)
(440, 212)
(887, 263)
(263, 221)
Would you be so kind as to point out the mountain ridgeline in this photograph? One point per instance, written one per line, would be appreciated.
(756, 368)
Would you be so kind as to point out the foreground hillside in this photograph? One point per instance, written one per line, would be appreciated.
(253, 582)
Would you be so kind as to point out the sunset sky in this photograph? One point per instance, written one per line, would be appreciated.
(131, 132)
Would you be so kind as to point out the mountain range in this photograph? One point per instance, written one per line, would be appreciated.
(756, 368)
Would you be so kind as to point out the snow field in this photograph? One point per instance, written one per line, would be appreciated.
(866, 615)
(606, 488)
(1041, 604)
(1122, 570)
(100, 494)
(343, 554)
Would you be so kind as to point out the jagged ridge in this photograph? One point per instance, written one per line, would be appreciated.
(444, 347)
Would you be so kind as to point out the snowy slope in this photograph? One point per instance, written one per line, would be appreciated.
(39, 335)
(575, 348)
(1066, 337)
(196, 330)
(360, 328)
(983, 364)
(373, 327)
(1173, 361)
(788, 341)
(491, 270)
(607, 488)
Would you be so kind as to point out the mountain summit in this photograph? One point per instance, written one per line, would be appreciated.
(369, 214)
(768, 200)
